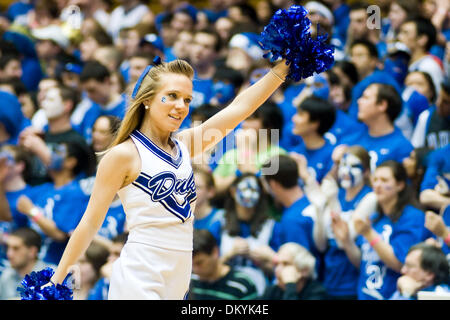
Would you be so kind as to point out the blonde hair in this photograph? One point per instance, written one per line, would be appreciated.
(302, 258)
(147, 90)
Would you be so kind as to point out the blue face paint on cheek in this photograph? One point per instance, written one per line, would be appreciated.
(163, 99)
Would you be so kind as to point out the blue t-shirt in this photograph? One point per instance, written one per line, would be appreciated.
(286, 106)
(114, 222)
(446, 217)
(377, 281)
(342, 20)
(340, 276)
(202, 91)
(19, 220)
(392, 146)
(345, 129)
(295, 227)
(206, 222)
(65, 206)
(319, 160)
(100, 290)
(438, 168)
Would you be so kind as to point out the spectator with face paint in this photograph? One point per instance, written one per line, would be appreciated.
(345, 187)
(246, 227)
(386, 236)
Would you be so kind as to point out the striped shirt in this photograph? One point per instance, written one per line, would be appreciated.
(235, 285)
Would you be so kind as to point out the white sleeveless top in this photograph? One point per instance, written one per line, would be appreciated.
(159, 204)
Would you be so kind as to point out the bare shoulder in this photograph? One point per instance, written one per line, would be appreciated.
(122, 160)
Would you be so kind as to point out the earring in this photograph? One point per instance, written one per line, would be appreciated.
(146, 107)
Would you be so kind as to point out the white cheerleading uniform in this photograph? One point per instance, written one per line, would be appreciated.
(156, 261)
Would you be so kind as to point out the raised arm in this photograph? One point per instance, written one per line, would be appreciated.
(110, 178)
(213, 130)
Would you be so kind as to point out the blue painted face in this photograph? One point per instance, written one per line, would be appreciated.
(350, 171)
(224, 92)
(248, 192)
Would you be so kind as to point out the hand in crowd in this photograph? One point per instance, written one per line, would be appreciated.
(435, 223)
(290, 274)
(262, 255)
(302, 164)
(240, 247)
(24, 205)
(31, 140)
(408, 286)
(434, 242)
(106, 269)
(338, 153)
(362, 225)
(340, 228)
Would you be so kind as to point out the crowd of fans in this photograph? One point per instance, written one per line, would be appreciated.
(338, 187)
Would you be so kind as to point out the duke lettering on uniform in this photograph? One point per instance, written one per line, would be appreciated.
(165, 183)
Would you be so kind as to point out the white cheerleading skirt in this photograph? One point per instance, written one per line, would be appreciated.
(145, 272)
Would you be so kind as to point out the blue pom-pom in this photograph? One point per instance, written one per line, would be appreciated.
(32, 283)
(288, 36)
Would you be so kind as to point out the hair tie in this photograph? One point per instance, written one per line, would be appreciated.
(156, 62)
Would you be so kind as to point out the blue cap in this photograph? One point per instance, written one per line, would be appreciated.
(154, 40)
(73, 67)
